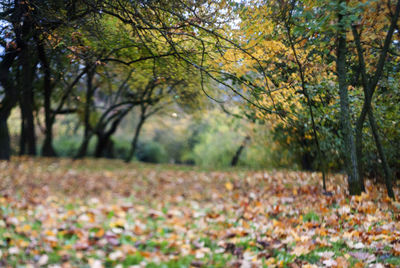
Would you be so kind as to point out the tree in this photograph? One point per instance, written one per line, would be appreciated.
(349, 144)
(369, 83)
(24, 25)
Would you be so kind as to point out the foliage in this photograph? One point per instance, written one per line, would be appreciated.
(216, 137)
(120, 147)
(217, 142)
(68, 146)
(287, 65)
(152, 152)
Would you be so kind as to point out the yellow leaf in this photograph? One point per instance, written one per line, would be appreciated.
(100, 232)
(26, 228)
(229, 186)
(117, 223)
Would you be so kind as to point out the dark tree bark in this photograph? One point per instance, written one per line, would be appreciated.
(104, 142)
(82, 152)
(359, 148)
(144, 115)
(22, 135)
(104, 146)
(26, 104)
(88, 106)
(382, 155)
(27, 63)
(47, 147)
(5, 150)
(8, 102)
(135, 139)
(239, 151)
(348, 138)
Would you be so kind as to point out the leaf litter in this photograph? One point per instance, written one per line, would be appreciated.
(103, 213)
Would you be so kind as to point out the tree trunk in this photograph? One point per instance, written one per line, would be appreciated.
(5, 150)
(348, 138)
(26, 102)
(47, 147)
(109, 151)
(382, 155)
(7, 103)
(102, 141)
(88, 105)
(10, 97)
(29, 125)
(239, 151)
(359, 147)
(82, 152)
(369, 86)
(135, 139)
(104, 146)
(22, 137)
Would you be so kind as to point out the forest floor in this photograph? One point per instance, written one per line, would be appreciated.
(103, 213)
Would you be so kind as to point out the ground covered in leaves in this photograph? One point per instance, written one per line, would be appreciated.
(64, 213)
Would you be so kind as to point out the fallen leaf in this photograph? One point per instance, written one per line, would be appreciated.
(229, 186)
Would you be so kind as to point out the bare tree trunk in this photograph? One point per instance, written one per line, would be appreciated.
(82, 152)
(26, 101)
(5, 150)
(359, 146)
(7, 103)
(382, 155)
(135, 139)
(88, 105)
(47, 147)
(375, 133)
(104, 145)
(239, 151)
(22, 136)
(348, 138)
(10, 89)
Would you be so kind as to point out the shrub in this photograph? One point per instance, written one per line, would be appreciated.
(121, 148)
(68, 146)
(151, 152)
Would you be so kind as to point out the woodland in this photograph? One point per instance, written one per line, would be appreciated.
(199, 133)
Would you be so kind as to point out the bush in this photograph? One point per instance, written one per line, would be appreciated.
(121, 148)
(68, 146)
(173, 142)
(151, 152)
(216, 147)
(216, 140)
